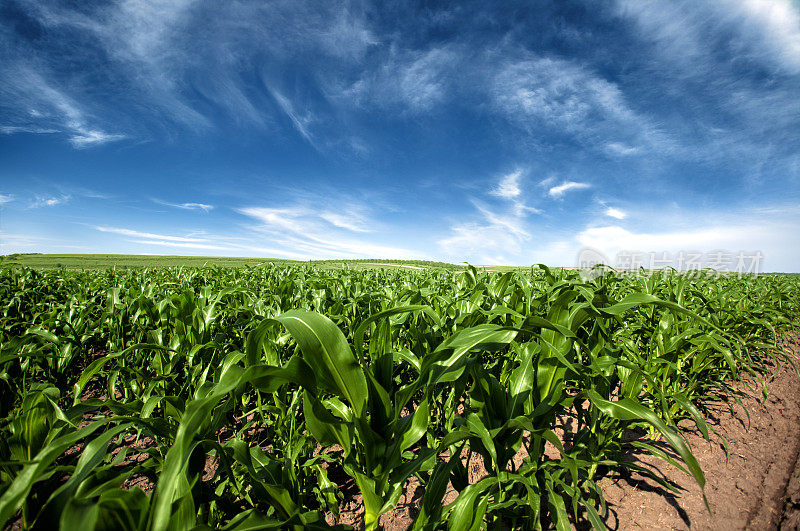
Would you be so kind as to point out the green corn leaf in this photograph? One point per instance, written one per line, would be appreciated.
(628, 409)
(477, 427)
(462, 511)
(80, 514)
(327, 352)
(416, 426)
(15, 494)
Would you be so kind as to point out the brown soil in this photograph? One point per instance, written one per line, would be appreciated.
(747, 489)
(791, 506)
(756, 485)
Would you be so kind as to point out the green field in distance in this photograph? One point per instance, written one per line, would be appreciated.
(125, 261)
(104, 261)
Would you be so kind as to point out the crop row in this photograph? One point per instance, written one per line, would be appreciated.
(266, 397)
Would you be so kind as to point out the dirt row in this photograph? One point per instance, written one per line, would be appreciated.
(754, 485)
(750, 487)
(791, 506)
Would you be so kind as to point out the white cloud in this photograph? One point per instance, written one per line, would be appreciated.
(187, 206)
(764, 30)
(487, 239)
(5, 199)
(91, 194)
(60, 112)
(86, 137)
(13, 129)
(481, 240)
(347, 37)
(569, 98)
(196, 206)
(615, 213)
(422, 83)
(49, 201)
(25, 243)
(352, 221)
(287, 218)
(10, 243)
(184, 245)
(309, 232)
(414, 80)
(166, 54)
(497, 234)
(227, 245)
(561, 189)
(548, 181)
(509, 186)
(772, 231)
(616, 238)
(771, 29)
(300, 122)
(747, 232)
(618, 148)
(723, 45)
(513, 224)
(149, 235)
(509, 189)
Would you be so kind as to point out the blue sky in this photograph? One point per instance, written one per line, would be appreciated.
(512, 133)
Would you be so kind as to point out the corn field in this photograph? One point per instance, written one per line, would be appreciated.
(262, 398)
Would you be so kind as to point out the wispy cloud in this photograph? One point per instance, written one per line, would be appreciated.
(150, 235)
(568, 98)
(10, 242)
(49, 108)
(765, 31)
(323, 233)
(184, 245)
(223, 244)
(49, 201)
(491, 239)
(89, 193)
(14, 242)
(163, 65)
(14, 129)
(422, 82)
(618, 148)
(186, 206)
(84, 137)
(774, 28)
(301, 122)
(415, 81)
(561, 189)
(615, 213)
(4, 198)
(351, 219)
(513, 224)
(508, 188)
(688, 44)
(497, 234)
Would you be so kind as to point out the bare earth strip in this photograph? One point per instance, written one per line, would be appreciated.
(791, 506)
(748, 490)
(757, 486)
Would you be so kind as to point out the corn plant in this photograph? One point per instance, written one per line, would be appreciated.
(240, 399)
